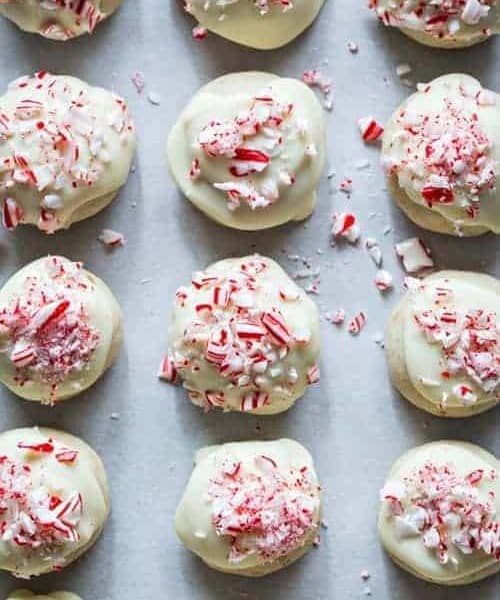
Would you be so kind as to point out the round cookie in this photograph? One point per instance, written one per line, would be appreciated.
(248, 150)
(243, 337)
(250, 508)
(60, 329)
(261, 24)
(65, 150)
(58, 19)
(438, 516)
(443, 344)
(54, 501)
(442, 23)
(441, 154)
(27, 595)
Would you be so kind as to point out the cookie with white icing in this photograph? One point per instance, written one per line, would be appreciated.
(243, 337)
(439, 513)
(250, 508)
(60, 329)
(443, 343)
(441, 23)
(58, 19)
(248, 150)
(54, 500)
(65, 150)
(261, 24)
(27, 595)
(441, 154)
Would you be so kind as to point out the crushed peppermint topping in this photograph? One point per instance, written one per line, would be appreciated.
(77, 17)
(245, 345)
(440, 18)
(32, 517)
(45, 330)
(52, 141)
(262, 6)
(249, 144)
(446, 510)
(446, 157)
(264, 511)
(469, 341)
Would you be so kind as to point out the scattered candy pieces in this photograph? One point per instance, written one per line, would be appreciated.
(415, 255)
(357, 323)
(371, 130)
(345, 226)
(111, 238)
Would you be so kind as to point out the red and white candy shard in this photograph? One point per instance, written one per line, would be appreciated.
(452, 514)
(60, 140)
(264, 511)
(442, 19)
(46, 332)
(59, 20)
(345, 225)
(112, 238)
(414, 255)
(244, 337)
(371, 130)
(383, 280)
(469, 342)
(357, 323)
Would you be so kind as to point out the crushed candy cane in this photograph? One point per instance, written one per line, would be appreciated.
(262, 510)
(243, 347)
(345, 225)
(446, 510)
(383, 280)
(371, 130)
(112, 238)
(46, 330)
(414, 255)
(469, 341)
(30, 516)
(357, 323)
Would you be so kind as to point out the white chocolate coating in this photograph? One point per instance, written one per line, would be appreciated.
(451, 378)
(27, 595)
(261, 24)
(443, 24)
(441, 153)
(405, 533)
(54, 361)
(244, 337)
(64, 470)
(279, 120)
(65, 150)
(56, 19)
(255, 468)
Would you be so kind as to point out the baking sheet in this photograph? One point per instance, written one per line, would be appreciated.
(353, 422)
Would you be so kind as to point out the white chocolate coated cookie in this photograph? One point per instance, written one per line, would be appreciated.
(58, 19)
(65, 150)
(243, 337)
(442, 23)
(441, 154)
(443, 344)
(27, 595)
(248, 150)
(55, 500)
(439, 513)
(261, 24)
(250, 508)
(60, 329)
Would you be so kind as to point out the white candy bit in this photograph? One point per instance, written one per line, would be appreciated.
(111, 238)
(345, 226)
(154, 98)
(465, 393)
(338, 317)
(357, 323)
(352, 47)
(383, 280)
(52, 202)
(473, 12)
(167, 371)
(403, 69)
(371, 130)
(373, 249)
(313, 374)
(414, 255)
(139, 81)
